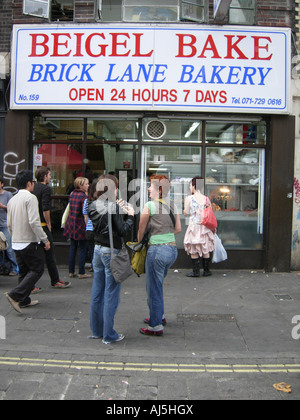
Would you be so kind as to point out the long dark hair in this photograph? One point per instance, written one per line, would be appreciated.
(92, 191)
(106, 186)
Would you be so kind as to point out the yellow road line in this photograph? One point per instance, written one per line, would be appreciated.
(151, 367)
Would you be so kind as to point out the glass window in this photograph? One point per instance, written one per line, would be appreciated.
(242, 12)
(235, 182)
(150, 11)
(58, 129)
(110, 10)
(238, 133)
(172, 131)
(62, 10)
(195, 10)
(39, 8)
(180, 164)
(112, 129)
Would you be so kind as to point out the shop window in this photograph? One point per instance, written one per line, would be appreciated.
(242, 12)
(235, 180)
(180, 164)
(248, 132)
(172, 131)
(56, 10)
(152, 10)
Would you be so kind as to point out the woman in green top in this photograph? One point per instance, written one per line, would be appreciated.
(160, 218)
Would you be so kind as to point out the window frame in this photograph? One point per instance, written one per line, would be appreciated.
(99, 13)
(251, 23)
(25, 2)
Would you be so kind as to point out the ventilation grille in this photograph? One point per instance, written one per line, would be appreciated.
(155, 129)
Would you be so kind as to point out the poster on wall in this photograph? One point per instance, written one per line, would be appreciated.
(151, 67)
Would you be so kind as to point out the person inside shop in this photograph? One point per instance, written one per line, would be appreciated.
(105, 297)
(161, 220)
(198, 239)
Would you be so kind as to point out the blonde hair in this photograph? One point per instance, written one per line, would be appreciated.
(79, 182)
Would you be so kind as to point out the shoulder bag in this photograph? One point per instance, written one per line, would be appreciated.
(120, 265)
(139, 249)
(208, 218)
(3, 242)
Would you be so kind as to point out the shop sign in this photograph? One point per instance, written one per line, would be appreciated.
(167, 68)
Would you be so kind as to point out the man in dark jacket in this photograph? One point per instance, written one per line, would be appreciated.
(42, 191)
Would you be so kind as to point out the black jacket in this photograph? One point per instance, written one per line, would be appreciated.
(97, 211)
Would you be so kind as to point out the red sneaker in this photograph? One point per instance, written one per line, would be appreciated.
(145, 331)
(164, 321)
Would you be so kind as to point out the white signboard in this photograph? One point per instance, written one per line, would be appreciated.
(132, 67)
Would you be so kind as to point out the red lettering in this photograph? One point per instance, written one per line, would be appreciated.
(56, 44)
(78, 45)
(35, 44)
(257, 47)
(115, 43)
(231, 46)
(210, 42)
(138, 47)
(182, 44)
(88, 45)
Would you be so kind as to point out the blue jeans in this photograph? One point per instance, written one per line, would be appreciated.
(10, 253)
(158, 261)
(82, 245)
(105, 296)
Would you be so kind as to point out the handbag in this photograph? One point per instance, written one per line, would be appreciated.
(208, 218)
(65, 216)
(220, 253)
(120, 265)
(139, 253)
(3, 242)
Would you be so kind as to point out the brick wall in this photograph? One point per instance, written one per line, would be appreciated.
(269, 13)
(5, 25)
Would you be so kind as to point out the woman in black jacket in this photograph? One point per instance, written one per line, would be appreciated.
(106, 292)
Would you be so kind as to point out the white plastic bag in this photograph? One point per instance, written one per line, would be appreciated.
(220, 253)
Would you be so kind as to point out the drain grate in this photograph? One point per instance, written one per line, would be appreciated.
(283, 297)
(206, 318)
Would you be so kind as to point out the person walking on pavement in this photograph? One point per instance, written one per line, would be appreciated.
(162, 221)
(75, 227)
(42, 191)
(105, 297)
(198, 239)
(24, 223)
(9, 257)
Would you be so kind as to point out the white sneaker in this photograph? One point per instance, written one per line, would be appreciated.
(120, 338)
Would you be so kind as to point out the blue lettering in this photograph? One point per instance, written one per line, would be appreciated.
(127, 73)
(85, 72)
(249, 73)
(215, 73)
(68, 73)
(50, 69)
(109, 79)
(187, 70)
(143, 69)
(36, 70)
(231, 75)
(201, 74)
(159, 72)
(262, 75)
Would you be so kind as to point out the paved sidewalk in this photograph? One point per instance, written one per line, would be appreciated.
(228, 336)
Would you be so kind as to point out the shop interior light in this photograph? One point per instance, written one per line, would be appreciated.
(192, 128)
